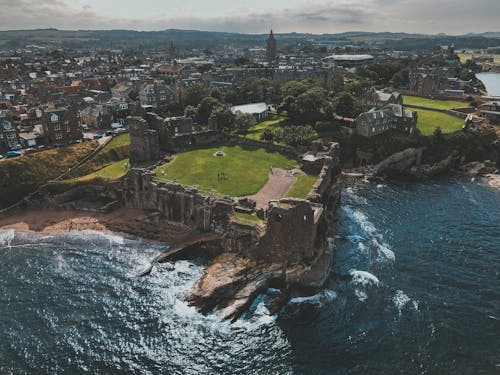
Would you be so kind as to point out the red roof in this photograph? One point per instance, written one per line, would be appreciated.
(170, 68)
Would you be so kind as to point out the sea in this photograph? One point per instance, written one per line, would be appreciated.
(415, 289)
(491, 82)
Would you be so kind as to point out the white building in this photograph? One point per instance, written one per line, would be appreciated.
(259, 110)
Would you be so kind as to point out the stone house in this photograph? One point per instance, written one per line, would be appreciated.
(377, 98)
(170, 73)
(120, 109)
(121, 91)
(96, 116)
(156, 95)
(8, 132)
(428, 81)
(61, 126)
(378, 121)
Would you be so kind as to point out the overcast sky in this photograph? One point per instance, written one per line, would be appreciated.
(256, 16)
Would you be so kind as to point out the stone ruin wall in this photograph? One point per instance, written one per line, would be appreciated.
(296, 230)
(152, 134)
(176, 203)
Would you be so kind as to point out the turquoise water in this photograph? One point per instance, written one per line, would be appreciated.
(415, 290)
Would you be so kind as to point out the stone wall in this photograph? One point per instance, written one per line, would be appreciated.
(176, 203)
(144, 141)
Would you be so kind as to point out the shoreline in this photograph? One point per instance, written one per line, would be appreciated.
(131, 222)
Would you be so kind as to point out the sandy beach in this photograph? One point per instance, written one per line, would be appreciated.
(128, 221)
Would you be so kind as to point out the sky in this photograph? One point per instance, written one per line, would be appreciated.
(256, 16)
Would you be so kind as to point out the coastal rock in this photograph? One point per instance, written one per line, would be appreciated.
(407, 163)
(399, 162)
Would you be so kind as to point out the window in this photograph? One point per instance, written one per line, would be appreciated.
(68, 128)
(59, 136)
(57, 127)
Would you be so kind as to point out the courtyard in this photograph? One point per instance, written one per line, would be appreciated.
(242, 171)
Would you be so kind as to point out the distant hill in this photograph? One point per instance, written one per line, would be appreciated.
(210, 39)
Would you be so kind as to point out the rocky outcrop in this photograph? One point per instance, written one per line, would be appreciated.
(399, 162)
(407, 164)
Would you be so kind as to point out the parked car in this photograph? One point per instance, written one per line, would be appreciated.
(120, 131)
(13, 154)
(30, 151)
(17, 147)
(97, 136)
(116, 125)
(1, 157)
(85, 128)
(109, 132)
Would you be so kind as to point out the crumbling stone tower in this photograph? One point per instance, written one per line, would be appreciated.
(144, 142)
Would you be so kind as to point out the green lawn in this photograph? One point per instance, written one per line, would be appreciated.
(256, 131)
(302, 187)
(428, 121)
(119, 140)
(251, 219)
(433, 103)
(112, 171)
(246, 168)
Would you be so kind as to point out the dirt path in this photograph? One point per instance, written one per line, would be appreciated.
(279, 183)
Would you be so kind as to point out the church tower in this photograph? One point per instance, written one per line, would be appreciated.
(271, 48)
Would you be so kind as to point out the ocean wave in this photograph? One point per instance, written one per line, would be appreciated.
(363, 280)
(6, 237)
(368, 237)
(320, 299)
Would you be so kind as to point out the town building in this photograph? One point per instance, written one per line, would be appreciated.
(259, 110)
(8, 132)
(156, 95)
(97, 117)
(380, 120)
(377, 98)
(61, 126)
(271, 49)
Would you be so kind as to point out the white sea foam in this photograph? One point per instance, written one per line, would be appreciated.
(363, 280)
(321, 298)
(6, 237)
(383, 250)
(400, 299)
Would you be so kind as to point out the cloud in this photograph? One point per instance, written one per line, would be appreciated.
(430, 16)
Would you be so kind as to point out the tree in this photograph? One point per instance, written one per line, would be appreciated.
(205, 109)
(243, 122)
(224, 116)
(298, 135)
(194, 94)
(346, 105)
(192, 112)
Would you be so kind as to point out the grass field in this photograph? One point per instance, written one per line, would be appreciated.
(428, 121)
(246, 168)
(116, 151)
(112, 171)
(302, 187)
(256, 131)
(433, 103)
(22, 175)
(119, 141)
